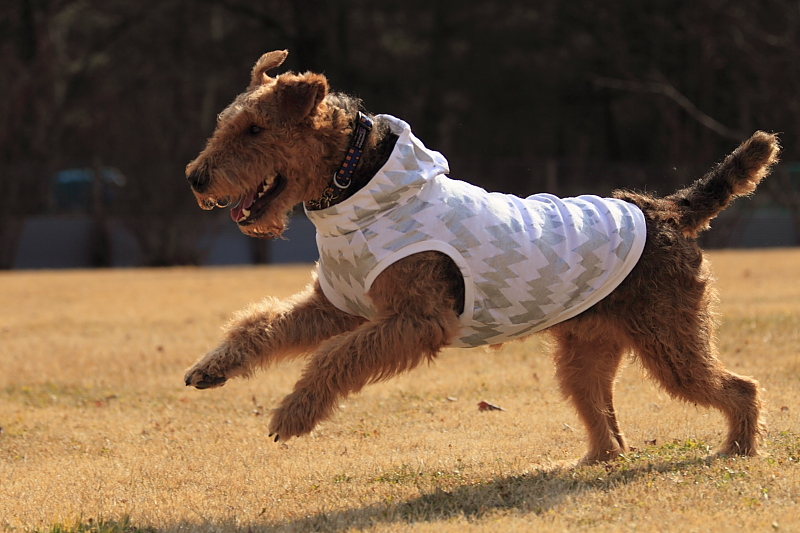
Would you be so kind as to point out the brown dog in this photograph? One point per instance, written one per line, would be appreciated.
(387, 299)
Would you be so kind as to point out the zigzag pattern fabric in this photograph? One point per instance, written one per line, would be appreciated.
(527, 263)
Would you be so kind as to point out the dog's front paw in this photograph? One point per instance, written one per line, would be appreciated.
(296, 416)
(197, 378)
(213, 370)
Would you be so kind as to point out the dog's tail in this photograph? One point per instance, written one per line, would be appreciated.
(737, 175)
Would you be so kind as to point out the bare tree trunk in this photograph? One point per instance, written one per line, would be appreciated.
(100, 247)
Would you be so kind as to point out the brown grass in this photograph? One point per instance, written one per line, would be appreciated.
(99, 433)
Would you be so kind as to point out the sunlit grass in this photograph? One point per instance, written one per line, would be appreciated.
(99, 433)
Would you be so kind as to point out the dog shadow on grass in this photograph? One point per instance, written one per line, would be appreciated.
(535, 492)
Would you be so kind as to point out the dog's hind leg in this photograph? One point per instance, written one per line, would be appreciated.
(587, 360)
(270, 331)
(688, 368)
(673, 332)
(415, 319)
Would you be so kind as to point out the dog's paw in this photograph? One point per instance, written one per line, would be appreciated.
(284, 426)
(214, 369)
(296, 416)
(601, 455)
(201, 380)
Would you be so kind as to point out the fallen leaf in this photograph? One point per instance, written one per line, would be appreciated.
(486, 406)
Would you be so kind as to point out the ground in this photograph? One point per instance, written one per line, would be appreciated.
(99, 433)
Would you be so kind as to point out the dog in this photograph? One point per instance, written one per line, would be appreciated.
(412, 262)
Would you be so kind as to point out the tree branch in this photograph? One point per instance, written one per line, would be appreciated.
(665, 89)
(248, 12)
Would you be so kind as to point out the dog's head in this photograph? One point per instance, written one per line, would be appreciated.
(273, 148)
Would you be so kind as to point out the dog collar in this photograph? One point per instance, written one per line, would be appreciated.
(342, 179)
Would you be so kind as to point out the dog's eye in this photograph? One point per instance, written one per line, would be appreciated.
(254, 130)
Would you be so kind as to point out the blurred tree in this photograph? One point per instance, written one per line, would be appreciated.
(714, 71)
(27, 100)
(520, 96)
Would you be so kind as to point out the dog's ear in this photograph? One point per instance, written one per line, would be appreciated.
(298, 96)
(268, 61)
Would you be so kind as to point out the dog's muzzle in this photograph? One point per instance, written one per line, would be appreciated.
(199, 181)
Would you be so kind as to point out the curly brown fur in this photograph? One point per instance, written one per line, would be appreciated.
(287, 134)
(662, 312)
(738, 175)
(271, 331)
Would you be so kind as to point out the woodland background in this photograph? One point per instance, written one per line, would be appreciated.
(520, 96)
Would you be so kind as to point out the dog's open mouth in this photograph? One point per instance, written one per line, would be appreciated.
(253, 204)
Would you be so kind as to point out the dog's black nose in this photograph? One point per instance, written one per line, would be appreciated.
(199, 181)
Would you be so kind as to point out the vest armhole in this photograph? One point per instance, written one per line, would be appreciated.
(332, 296)
(431, 246)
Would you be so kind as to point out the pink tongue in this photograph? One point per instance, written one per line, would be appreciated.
(244, 203)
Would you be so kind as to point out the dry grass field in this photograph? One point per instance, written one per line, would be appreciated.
(99, 433)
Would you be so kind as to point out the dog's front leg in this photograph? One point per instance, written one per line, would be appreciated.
(415, 320)
(270, 331)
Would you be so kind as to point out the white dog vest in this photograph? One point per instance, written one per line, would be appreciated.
(527, 263)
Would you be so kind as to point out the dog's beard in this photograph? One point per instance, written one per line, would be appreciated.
(266, 229)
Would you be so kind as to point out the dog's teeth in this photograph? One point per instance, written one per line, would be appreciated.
(263, 189)
(245, 213)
